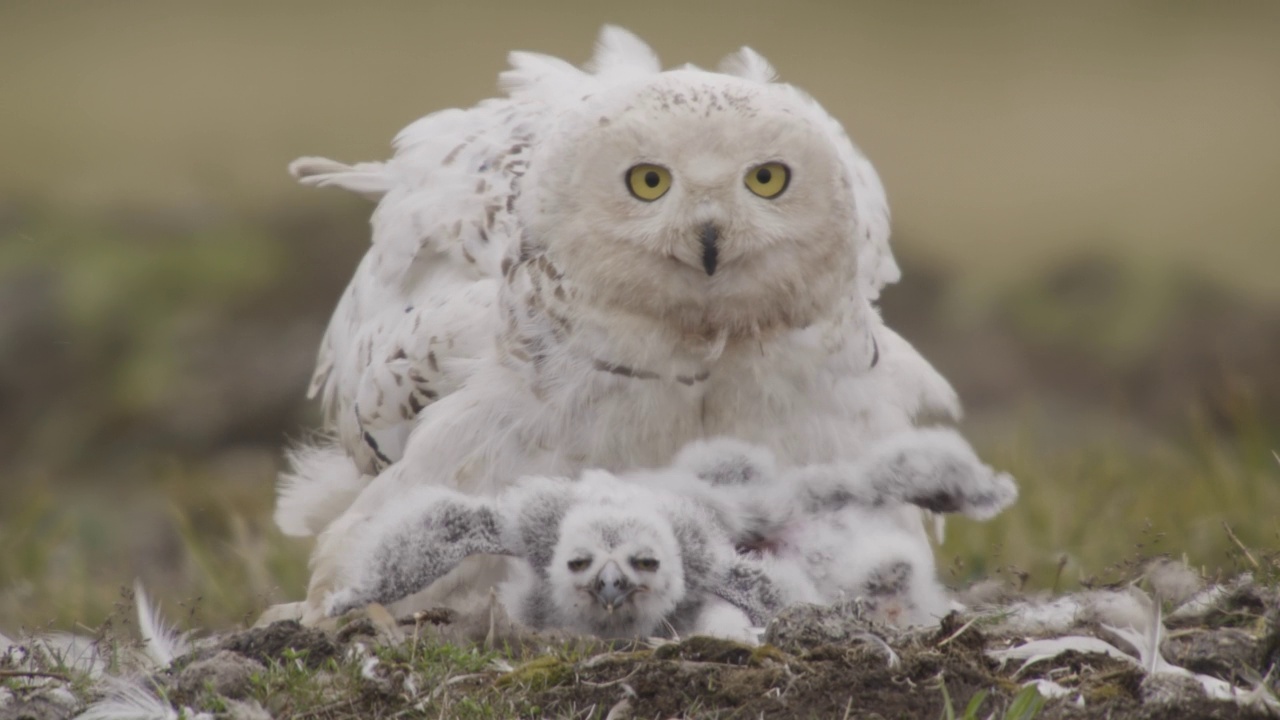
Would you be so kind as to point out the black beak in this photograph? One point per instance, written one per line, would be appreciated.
(708, 235)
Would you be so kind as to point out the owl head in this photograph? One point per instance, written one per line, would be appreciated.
(711, 202)
(616, 572)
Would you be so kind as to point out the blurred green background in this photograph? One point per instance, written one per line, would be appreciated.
(1086, 204)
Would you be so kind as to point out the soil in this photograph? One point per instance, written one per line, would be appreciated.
(815, 662)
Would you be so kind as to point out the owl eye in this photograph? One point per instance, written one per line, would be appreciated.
(768, 180)
(648, 182)
(644, 564)
(579, 564)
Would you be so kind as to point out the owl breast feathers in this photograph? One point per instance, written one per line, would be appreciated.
(595, 269)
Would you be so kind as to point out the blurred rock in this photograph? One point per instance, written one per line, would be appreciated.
(277, 640)
(54, 702)
(227, 674)
(1222, 652)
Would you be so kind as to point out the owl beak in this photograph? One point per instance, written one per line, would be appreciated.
(708, 235)
(611, 587)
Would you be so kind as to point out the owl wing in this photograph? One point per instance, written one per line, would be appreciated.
(932, 468)
(746, 584)
(412, 543)
(420, 316)
(535, 507)
(421, 309)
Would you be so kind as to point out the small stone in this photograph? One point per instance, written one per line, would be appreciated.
(708, 649)
(1221, 652)
(226, 674)
(53, 703)
(1170, 690)
(270, 643)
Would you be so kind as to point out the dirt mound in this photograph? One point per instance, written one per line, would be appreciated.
(1100, 653)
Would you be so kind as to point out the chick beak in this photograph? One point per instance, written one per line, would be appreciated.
(708, 235)
(611, 587)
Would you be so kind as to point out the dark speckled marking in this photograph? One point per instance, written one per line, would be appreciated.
(373, 445)
(625, 371)
(696, 378)
(890, 579)
(453, 154)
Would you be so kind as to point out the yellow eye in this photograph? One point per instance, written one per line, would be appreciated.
(648, 182)
(579, 564)
(768, 180)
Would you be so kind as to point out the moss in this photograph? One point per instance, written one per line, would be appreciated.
(539, 673)
(708, 649)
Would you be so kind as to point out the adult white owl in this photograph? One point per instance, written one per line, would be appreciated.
(591, 272)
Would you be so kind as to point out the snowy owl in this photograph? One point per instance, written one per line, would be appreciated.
(826, 523)
(604, 557)
(591, 271)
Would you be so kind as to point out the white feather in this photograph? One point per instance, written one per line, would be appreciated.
(1050, 689)
(75, 653)
(1146, 644)
(131, 700)
(1048, 648)
(163, 643)
(749, 64)
(620, 53)
(367, 179)
(322, 482)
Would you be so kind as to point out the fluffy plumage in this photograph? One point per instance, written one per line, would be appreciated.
(605, 557)
(830, 523)
(521, 311)
(622, 556)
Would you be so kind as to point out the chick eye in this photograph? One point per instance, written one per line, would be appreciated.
(579, 564)
(644, 564)
(768, 180)
(648, 182)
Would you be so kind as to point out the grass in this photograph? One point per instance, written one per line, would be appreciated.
(1026, 705)
(1085, 513)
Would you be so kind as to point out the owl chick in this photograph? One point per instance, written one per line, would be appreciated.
(829, 521)
(593, 270)
(603, 557)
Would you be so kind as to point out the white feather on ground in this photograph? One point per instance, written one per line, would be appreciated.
(1145, 644)
(163, 643)
(133, 700)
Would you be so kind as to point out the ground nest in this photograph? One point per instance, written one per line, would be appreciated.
(815, 662)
